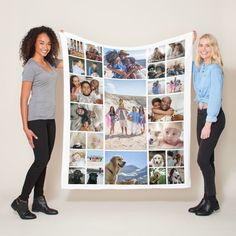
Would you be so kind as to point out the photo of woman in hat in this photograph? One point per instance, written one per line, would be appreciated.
(121, 64)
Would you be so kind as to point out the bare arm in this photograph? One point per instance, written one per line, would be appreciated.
(157, 111)
(25, 93)
(120, 72)
(60, 64)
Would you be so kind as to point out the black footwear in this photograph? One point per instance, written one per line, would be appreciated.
(22, 209)
(40, 204)
(196, 208)
(208, 208)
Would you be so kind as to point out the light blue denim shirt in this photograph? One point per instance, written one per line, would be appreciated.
(208, 84)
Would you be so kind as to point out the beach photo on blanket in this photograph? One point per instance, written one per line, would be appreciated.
(77, 140)
(175, 158)
(157, 158)
(125, 114)
(95, 158)
(76, 175)
(75, 47)
(175, 84)
(157, 175)
(156, 54)
(125, 167)
(86, 89)
(176, 49)
(156, 86)
(165, 135)
(93, 52)
(175, 175)
(86, 117)
(124, 64)
(95, 176)
(175, 67)
(166, 108)
(95, 140)
(77, 158)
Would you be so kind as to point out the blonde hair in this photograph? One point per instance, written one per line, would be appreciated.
(216, 56)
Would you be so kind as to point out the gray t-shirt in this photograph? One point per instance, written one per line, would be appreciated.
(42, 104)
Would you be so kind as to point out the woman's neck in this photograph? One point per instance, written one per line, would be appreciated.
(207, 61)
(39, 59)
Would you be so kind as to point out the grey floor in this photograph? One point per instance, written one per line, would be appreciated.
(120, 218)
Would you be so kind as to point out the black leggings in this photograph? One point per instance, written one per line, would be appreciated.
(206, 150)
(45, 130)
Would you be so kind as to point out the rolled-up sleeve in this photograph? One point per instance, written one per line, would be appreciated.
(215, 93)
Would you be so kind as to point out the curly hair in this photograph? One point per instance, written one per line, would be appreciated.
(27, 48)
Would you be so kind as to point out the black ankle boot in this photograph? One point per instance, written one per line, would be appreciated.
(208, 208)
(198, 207)
(40, 204)
(22, 209)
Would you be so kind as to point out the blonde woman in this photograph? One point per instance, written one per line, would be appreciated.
(208, 81)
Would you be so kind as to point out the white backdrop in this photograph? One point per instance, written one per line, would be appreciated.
(136, 23)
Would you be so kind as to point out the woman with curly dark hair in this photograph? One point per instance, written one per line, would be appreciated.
(39, 50)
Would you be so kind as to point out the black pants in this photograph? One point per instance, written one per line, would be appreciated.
(206, 150)
(45, 130)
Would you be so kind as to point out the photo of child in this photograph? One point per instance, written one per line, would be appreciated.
(166, 108)
(175, 84)
(156, 71)
(77, 158)
(125, 119)
(76, 65)
(86, 117)
(94, 69)
(156, 87)
(91, 91)
(167, 135)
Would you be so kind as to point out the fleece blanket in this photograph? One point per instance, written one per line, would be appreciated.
(126, 114)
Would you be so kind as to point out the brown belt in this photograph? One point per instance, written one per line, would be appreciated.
(203, 107)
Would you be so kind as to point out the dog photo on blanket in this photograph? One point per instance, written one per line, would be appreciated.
(157, 175)
(94, 175)
(157, 159)
(76, 175)
(175, 158)
(175, 175)
(125, 167)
